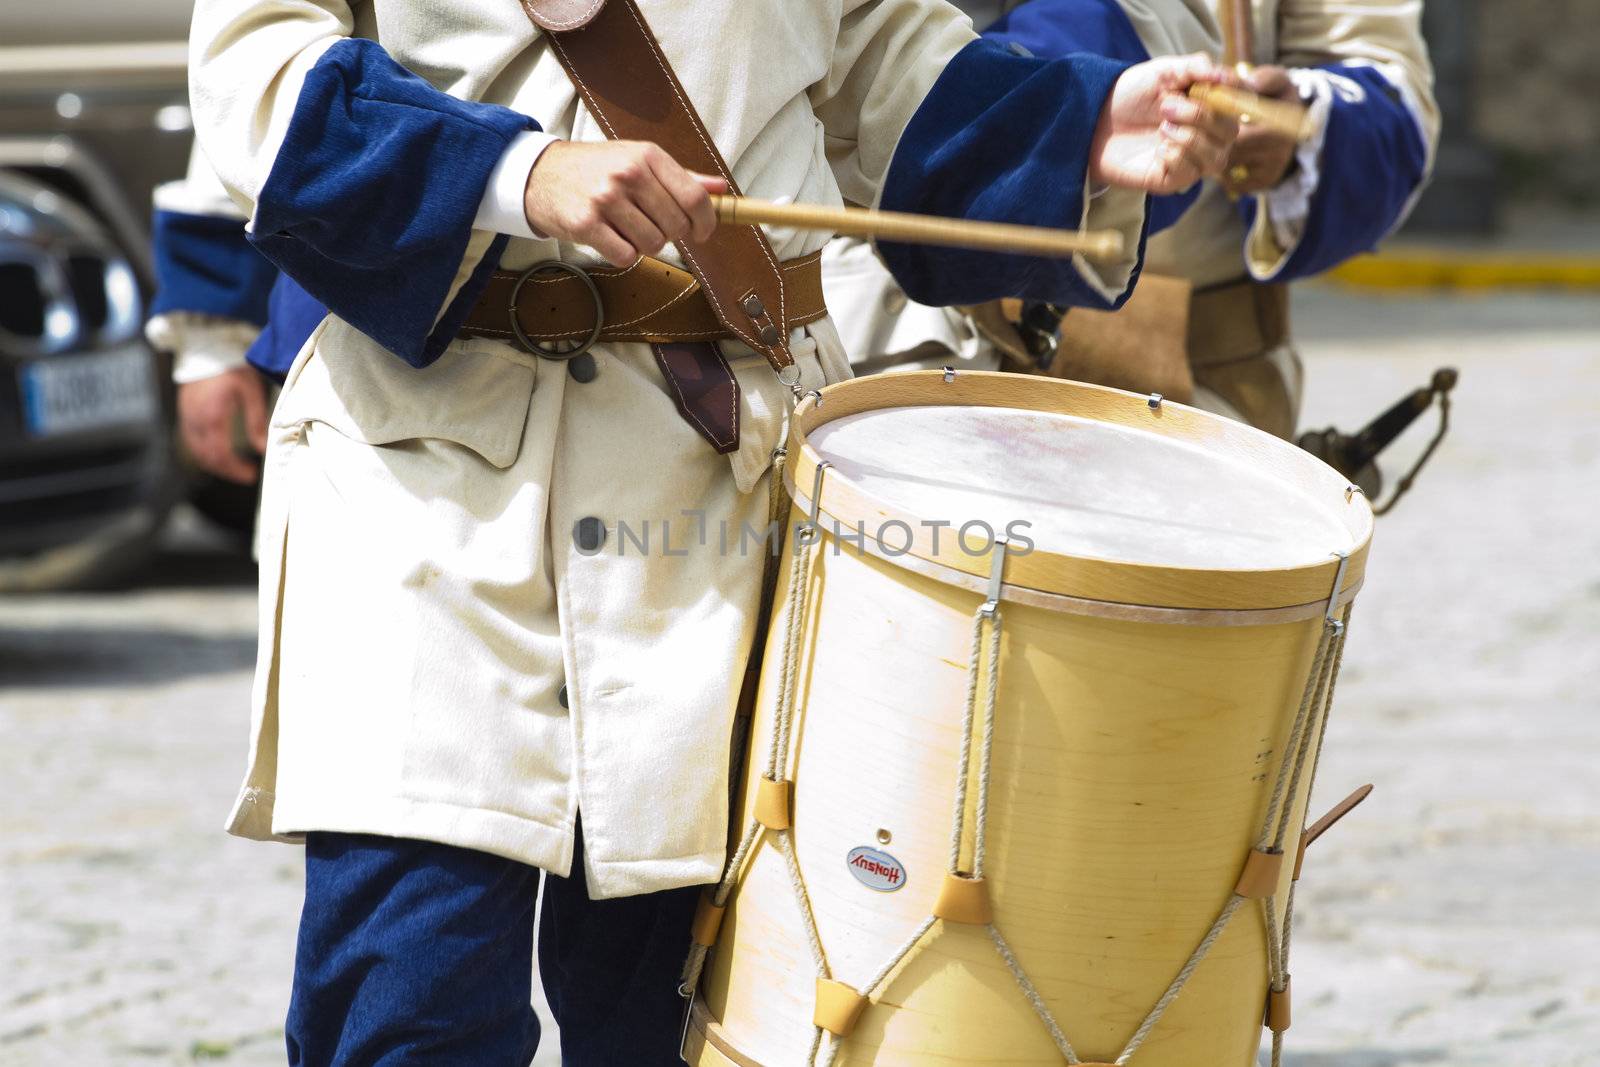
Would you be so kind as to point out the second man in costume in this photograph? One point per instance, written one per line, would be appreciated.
(1209, 322)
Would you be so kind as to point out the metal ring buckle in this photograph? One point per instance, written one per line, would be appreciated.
(594, 292)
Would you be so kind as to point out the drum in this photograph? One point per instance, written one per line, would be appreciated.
(1040, 710)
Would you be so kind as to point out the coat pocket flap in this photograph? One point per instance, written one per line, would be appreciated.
(472, 396)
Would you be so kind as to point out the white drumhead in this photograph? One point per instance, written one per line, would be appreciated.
(1087, 488)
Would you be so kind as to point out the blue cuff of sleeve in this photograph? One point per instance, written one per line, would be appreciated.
(1001, 137)
(205, 265)
(292, 316)
(1051, 29)
(1374, 159)
(371, 199)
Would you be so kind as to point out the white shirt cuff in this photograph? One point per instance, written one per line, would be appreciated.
(502, 208)
(1112, 208)
(1289, 205)
(203, 346)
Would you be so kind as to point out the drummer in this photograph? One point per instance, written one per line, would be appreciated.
(467, 650)
(1209, 322)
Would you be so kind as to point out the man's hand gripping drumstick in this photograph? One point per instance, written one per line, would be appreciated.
(1152, 136)
(629, 198)
(624, 199)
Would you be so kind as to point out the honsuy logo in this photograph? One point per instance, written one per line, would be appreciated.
(875, 869)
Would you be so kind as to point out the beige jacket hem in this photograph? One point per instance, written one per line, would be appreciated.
(261, 816)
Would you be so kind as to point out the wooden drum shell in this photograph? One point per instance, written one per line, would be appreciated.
(1135, 748)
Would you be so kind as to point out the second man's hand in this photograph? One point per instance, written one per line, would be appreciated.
(625, 199)
(207, 409)
(1262, 158)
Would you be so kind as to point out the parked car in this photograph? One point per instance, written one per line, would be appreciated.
(93, 115)
(84, 443)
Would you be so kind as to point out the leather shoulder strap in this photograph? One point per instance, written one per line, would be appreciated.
(555, 15)
(623, 76)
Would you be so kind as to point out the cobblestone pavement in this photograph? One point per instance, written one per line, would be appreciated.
(132, 931)
(1453, 920)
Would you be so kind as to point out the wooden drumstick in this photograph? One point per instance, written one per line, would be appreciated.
(1238, 32)
(920, 229)
(1279, 116)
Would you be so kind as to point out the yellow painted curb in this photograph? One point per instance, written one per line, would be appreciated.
(1444, 269)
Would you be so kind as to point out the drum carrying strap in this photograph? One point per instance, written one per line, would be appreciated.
(619, 69)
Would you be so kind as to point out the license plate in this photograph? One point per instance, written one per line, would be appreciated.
(68, 394)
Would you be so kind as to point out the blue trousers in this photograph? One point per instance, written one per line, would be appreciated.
(413, 953)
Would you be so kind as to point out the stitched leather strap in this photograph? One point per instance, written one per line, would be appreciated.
(703, 388)
(561, 14)
(649, 301)
(622, 74)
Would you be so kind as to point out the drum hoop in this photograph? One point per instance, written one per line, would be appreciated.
(1084, 579)
(701, 1022)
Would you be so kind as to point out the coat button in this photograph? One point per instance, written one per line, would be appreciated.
(589, 533)
(583, 368)
(562, 696)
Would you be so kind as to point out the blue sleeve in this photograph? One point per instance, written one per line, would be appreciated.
(205, 265)
(1051, 29)
(292, 316)
(1000, 137)
(1373, 160)
(370, 201)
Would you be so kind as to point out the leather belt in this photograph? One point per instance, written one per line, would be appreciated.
(555, 304)
(651, 301)
(1234, 329)
(1236, 320)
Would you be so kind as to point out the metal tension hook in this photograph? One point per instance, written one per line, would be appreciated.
(997, 571)
(811, 529)
(1329, 618)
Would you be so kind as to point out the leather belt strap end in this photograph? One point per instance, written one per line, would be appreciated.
(1326, 823)
(703, 388)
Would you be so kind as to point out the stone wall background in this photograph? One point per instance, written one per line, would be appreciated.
(1536, 95)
